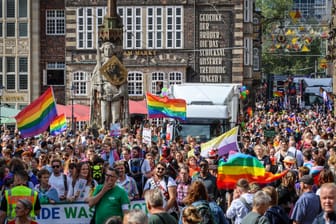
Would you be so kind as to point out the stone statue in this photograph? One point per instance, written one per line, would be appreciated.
(109, 88)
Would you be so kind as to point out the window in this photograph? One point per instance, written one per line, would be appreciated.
(248, 11)
(10, 9)
(157, 82)
(248, 53)
(23, 29)
(101, 12)
(85, 28)
(174, 78)
(256, 61)
(55, 73)
(23, 73)
(133, 27)
(10, 29)
(154, 27)
(23, 9)
(135, 84)
(10, 73)
(55, 22)
(80, 82)
(174, 25)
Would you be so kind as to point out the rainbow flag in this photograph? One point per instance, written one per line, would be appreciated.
(224, 143)
(240, 165)
(58, 125)
(37, 116)
(159, 107)
(277, 94)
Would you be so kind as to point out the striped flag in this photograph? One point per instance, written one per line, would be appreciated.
(278, 94)
(224, 143)
(37, 116)
(245, 166)
(58, 125)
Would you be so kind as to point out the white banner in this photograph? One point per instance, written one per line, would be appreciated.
(74, 213)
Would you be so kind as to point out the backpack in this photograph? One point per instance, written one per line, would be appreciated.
(135, 167)
(205, 212)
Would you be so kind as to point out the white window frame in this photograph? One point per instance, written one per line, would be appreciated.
(256, 59)
(55, 66)
(248, 51)
(175, 78)
(157, 77)
(174, 27)
(11, 74)
(23, 74)
(85, 23)
(80, 82)
(55, 22)
(248, 11)
(132, 20)
(155, 27)
(135, 83)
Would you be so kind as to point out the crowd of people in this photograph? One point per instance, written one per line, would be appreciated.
(176, 182)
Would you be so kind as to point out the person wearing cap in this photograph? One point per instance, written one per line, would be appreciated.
(328, 203)
(282, 152)
(289, 162)
(242, 202)
(307, 206)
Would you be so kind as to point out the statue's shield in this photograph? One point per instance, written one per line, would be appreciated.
(114, 71)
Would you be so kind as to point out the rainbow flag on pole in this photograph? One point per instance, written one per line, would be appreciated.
(58, 125)
(37, 116)
(224, 143)
(159, 107)
(240, 165)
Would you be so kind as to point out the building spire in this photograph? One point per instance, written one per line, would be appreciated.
(111, 8)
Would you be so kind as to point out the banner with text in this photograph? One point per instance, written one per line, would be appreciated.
(74, 213)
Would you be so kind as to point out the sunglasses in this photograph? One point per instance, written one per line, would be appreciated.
(159, 168)
(56, 166)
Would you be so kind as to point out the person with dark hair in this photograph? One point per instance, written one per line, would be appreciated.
(109, 198)
(207, 178)
(167, 185)
(19, 191)
(46, 193)
(59, 180)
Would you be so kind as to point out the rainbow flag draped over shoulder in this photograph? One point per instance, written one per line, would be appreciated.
(159, 107)
(58, 125)
(240, 165)
(37, 116)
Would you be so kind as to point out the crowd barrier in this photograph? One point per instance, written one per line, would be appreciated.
(74, 213)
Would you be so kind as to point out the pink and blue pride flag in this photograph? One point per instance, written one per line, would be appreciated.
(224, 143)
(58, 125)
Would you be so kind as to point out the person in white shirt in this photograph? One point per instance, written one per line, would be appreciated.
(58, 180)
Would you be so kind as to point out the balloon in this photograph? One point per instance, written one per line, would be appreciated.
(164, 92)
(243, 88)
(247, 92)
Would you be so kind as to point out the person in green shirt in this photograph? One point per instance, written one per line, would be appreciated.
(109, 199)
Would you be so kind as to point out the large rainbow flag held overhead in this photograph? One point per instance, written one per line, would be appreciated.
(159, 107)
(240, 165)
(58, 125)
(37, 116)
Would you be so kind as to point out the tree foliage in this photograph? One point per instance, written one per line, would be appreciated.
(275, 14)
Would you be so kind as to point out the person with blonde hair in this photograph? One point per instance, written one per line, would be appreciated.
(190, 215)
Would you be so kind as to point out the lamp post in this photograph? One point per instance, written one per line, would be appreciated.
(72, 109)
(1, 91)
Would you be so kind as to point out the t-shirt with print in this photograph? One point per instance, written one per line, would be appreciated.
(111, 203)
